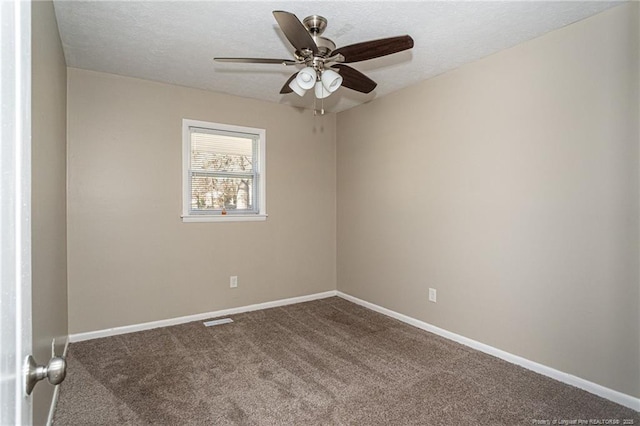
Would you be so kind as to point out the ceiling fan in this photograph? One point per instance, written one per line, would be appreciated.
(325, 68)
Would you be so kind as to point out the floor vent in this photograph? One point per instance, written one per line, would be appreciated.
(217, 322)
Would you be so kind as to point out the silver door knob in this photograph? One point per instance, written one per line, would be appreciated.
(55, 371)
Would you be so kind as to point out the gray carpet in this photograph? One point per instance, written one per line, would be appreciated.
(327, 362)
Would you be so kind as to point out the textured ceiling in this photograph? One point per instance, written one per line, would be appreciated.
(175, 41)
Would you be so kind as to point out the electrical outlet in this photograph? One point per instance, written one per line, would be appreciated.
(233, 281)
(432, 295)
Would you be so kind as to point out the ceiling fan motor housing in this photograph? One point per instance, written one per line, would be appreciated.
(325, 46)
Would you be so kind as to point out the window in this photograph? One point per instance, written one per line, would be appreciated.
(223, 172)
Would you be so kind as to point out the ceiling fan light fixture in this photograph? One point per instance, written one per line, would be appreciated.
(321, 91)
(306, 78)
(296, 87)
(331, 80)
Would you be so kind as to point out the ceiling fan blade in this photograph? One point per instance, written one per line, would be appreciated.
(286, 89)
(295, 31)
(374, 48)
(257, 61)
(354, 79)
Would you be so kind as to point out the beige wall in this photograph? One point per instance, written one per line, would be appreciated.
(511, 186)
(49, 186)
(132, 260)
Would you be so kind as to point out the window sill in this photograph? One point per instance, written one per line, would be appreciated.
(225, 218)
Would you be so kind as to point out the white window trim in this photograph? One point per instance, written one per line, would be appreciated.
(186, 155)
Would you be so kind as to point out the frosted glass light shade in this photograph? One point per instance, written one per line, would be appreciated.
(306, 78)
(321, 92)
(331, 80)
(296, 88)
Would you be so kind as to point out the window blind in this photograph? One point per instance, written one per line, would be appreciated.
(223, 171)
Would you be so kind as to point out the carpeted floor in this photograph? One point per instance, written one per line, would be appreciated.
(326, 362)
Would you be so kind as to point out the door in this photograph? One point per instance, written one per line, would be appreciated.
(15, 208)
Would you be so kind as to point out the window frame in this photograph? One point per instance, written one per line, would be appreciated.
(260, 171)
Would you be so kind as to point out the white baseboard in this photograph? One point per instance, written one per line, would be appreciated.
(78, 337)
(56, 389)
(610, 394)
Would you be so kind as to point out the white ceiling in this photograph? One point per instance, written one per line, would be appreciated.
(175, 41)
